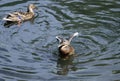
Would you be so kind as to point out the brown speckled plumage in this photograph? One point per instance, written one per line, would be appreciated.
(21, 16)
(65, 47)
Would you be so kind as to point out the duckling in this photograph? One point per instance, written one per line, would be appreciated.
(21, 16)
(64, 47)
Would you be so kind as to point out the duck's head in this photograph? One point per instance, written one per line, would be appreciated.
(31, 7)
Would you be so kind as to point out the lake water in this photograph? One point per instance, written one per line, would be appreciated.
(29, 52)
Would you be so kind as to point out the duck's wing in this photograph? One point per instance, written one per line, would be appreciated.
(15, 16)
(60, 39)
(75, 34)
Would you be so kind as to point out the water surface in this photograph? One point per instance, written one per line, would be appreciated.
(29, 52)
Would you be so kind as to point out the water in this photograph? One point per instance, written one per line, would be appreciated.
(29, 52)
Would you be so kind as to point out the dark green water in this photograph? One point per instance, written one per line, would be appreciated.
(29, 52)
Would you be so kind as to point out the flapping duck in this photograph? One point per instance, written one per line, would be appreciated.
(65, 47)
(21, 16)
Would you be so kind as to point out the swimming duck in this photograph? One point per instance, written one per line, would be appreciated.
(21, 16)
(65, 48)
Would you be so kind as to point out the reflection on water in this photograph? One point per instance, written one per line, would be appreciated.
(64, 65)
(7, 24)
(29, 52)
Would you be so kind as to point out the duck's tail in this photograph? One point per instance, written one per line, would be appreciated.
(7, 19)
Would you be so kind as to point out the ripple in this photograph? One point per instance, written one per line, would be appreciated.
(24, 72)
(116, 71)
(3, 49)
(8, 73)
(5, 59)
(2, 79)
(115, 9)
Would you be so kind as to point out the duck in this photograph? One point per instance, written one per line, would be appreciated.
(21, 16)
(64, 47)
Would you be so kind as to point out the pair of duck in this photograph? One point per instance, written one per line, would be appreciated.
(65, 47)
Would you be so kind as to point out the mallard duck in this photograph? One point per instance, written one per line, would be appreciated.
(21, 16)
(64, 47)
